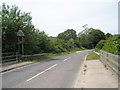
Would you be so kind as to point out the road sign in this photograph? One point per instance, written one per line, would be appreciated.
(20, 34)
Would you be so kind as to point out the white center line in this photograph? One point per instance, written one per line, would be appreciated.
(51, 67)
(67, 58)
(41, 72)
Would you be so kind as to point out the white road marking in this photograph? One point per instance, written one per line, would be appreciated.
(97, 53)
(41, 72)
(85, 56)
(51, 67)
(67, 59)
(78, 51)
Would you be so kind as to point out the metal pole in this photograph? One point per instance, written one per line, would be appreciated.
(18, 45)
(18, 49)
(22, 47)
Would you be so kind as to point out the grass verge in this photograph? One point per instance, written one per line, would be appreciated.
(43, 57)
(93, 56)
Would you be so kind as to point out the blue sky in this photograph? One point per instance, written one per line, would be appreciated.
(56, 16)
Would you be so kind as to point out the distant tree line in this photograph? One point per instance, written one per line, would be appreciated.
(36, 41)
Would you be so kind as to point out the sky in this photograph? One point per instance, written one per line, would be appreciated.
(56, 16)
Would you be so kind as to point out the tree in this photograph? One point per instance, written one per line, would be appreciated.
(68, 34)
(100, 44)
(90, 38)
(86, 40)
(58, 45)
(13, 20)
(77, 43)
(108, 35)
(70, 38)
(112, 44)
(71, 43)
(97, 36)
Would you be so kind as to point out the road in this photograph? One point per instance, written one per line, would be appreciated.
(58, 72)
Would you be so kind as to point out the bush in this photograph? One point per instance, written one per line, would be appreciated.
(100, 45)
(112, 45)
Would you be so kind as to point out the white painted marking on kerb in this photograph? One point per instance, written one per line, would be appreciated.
(97, 53)
(67, 59)
(41, 72)
(78, 51)
(85, 56)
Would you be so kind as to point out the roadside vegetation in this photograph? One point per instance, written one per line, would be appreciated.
(48, 56)
(93, 56)
(111, 44)
(37, 41)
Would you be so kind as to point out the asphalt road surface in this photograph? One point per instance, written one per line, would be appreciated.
(58, 72)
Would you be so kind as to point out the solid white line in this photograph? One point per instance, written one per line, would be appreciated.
(67, 59)
(41, 72)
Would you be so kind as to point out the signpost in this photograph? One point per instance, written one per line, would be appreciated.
(21, 34)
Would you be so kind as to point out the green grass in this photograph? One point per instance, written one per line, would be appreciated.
(43, 57)
(97, 50)
(93, 56)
